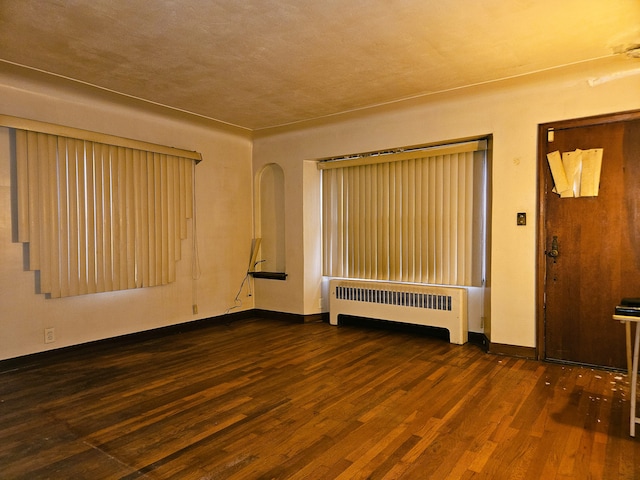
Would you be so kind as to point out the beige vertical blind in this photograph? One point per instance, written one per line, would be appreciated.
(100, 217)
(415, 216)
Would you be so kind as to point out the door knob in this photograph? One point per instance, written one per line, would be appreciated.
(553, 253)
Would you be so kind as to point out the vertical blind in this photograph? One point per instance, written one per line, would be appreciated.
(416, 216)
(100, 217)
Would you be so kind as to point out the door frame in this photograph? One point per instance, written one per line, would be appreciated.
(542, 168)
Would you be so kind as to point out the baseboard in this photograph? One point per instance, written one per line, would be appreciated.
(291, 317)
(513, 351)
(479, 339)
(24, 361)
(136, 337)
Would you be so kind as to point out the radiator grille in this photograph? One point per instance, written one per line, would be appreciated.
(392, 297)
(430, 305)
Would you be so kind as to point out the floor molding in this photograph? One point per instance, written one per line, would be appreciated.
(291, 317)
(513, 350)
(25, 361)
(479, 339)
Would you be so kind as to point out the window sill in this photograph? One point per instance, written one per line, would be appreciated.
(269, 275)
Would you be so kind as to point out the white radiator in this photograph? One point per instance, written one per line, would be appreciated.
(434, 306)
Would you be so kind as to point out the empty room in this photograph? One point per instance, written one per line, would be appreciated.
(316, 240)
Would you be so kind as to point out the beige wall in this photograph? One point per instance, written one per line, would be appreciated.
(223, 196)
(511, 111)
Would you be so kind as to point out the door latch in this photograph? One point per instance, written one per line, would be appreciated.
(553, 253)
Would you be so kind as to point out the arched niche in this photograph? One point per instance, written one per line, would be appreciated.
(270, 222)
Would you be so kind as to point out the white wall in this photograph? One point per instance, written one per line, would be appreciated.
(511, 111)
(224, 223)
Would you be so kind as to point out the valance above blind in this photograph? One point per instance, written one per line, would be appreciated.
(373, 158)
(100, 217)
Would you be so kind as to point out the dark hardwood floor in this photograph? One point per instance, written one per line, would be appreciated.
(264, 399)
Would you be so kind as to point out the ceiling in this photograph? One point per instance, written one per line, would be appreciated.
(259, 64)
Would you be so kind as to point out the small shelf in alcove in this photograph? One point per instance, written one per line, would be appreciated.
(269, 275)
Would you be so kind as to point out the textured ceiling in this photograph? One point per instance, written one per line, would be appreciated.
(264, 63)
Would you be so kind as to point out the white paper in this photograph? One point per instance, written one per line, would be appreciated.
(576, 173)
(591, 167)
(572, 162)
(557, 172)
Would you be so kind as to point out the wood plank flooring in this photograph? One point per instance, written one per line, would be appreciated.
(264, 399)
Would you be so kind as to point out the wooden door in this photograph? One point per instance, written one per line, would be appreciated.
(598, 243)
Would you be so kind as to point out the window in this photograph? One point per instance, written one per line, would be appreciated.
(100, 216)
(414, 216)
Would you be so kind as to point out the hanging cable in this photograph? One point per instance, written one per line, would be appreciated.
(237, 301)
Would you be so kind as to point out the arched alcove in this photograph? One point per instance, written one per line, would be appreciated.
(270, 222)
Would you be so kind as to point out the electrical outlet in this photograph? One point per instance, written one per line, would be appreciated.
(49, 335)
